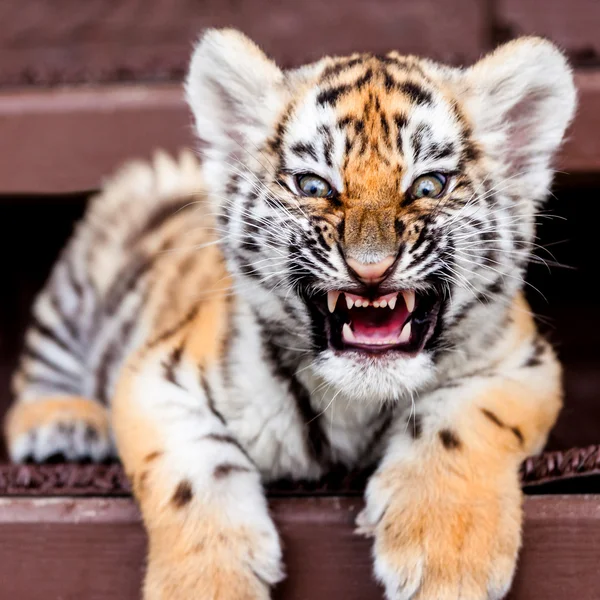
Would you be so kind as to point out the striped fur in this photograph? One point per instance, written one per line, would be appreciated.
(187, 303)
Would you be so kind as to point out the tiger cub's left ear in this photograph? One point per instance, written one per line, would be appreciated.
(234, 91)
(521, 98)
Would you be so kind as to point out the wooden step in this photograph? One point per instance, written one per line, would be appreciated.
(93, 549)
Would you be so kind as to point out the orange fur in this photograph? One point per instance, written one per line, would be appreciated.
(24, 417)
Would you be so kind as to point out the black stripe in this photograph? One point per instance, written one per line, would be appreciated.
(304, 149)
(401, 62)
(225, 469)
(327, 144)
(346, 121)
(251, 235)
(158, 217)
(493, 417)
(52, 384)
(73, 281)
(400, 227)
(385, 129)
(276, 141)
(401, 122)
(225, 438)
(320, 256)
(69, 325)
(112, 355)
(517, 432)
(362, 81)
(470, 153)
(418, 138)
(341, 65)
(379, 435)
(171, 363)
(210, 400)
(36, 355)
(52, 336)
(332, 95)
(126, 281)
(438, 151)
(317, 443)
(538, 350)
(415, 92)
(171, 331)
(424, 224)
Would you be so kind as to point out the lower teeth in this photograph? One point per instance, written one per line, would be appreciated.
(349, 336)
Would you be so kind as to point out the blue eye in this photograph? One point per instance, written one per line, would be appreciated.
(313, 186)
(428, 186)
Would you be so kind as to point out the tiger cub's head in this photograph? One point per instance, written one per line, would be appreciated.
(378, 208)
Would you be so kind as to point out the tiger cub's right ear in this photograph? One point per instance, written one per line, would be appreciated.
(235, 92)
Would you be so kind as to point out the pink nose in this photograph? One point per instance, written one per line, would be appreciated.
(371, 272)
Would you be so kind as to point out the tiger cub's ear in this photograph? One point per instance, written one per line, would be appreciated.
(234, 92)
(521, 99)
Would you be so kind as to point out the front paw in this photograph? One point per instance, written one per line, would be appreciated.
(59, 429)
(453, 540)
(214, 563)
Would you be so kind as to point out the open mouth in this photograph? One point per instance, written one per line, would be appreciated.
(402, 321)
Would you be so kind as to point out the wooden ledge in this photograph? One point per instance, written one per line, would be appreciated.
(94, 549)
(68, 139)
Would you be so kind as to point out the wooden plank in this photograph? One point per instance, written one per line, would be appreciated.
(68, 41)
(64, 140)
(572, 25)
(94, 548)
(55, 141)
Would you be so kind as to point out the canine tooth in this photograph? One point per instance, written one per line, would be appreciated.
(409, 299)
(392, 302)
(405, 334)
(383, 303)
(347, 333)
(332, 298)
(350, 302)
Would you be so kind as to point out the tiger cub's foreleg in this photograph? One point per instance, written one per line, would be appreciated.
(445, 504)
(210, 533)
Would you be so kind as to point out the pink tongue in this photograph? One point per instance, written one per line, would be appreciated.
(375, 324)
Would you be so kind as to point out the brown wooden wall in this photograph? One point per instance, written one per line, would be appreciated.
(69, 41)
(126, 60)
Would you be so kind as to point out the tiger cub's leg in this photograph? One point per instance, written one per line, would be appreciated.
(210, 533)
(64, 427)
(444, 506)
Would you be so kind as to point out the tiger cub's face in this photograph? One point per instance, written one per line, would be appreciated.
(378, 208)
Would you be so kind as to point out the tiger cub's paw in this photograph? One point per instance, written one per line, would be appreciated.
(58, 429)
(213, 563)
(450, 545)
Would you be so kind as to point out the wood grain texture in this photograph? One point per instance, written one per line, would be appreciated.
(67, 41)
(64, 140)
(93, 549)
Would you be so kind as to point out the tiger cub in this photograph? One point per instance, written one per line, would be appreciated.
(339, 283)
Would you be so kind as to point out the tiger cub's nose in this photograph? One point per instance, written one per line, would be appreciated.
(371, 273)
